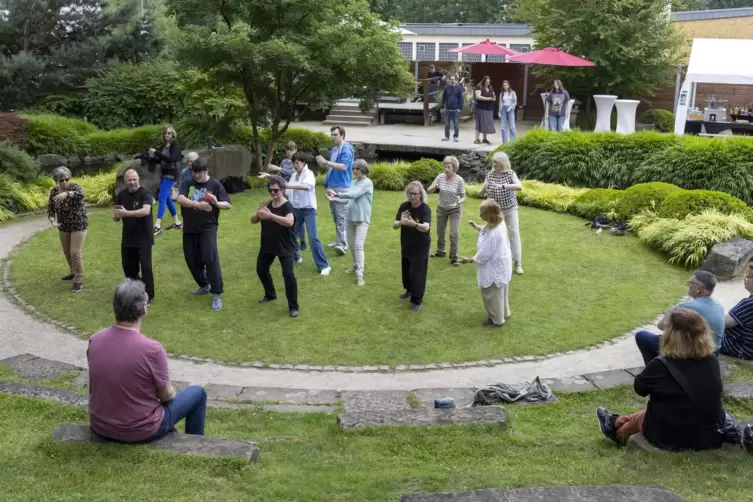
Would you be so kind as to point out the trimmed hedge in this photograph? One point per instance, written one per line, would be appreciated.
(129, 141)
(663, 120)
(56, 135)
(425, 171)
(643, 196)
(683, 203)
(305, 140)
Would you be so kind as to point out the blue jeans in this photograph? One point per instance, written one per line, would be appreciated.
(308, 217)
(190, 404)
(507, 119)
(165, 199)
(454, 116)
(648, 343)
(556, 123)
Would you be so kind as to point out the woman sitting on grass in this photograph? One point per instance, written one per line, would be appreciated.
(684, 386)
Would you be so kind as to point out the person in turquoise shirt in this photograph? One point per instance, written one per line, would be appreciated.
(700, 288)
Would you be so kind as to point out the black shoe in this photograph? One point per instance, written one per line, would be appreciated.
(267, 299)
(438, 255)
(748, 438)
(68, 277)
(293, 312)
(77, 287)
(405, 296)
(454, 263)
(490, 324)
(607, 423)
(417, 306)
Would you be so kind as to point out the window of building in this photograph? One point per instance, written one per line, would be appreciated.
(445, 54)
(425, 51)
(471, 58)
(406, 49)
(521, 47)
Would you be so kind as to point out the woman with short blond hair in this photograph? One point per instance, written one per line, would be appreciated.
(494, 263)
(451, 188)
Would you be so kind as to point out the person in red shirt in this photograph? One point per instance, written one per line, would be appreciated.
(131, 399)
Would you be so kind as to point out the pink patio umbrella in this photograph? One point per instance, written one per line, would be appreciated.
(550, 56)
(486, 47)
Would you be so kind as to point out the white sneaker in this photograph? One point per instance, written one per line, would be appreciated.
(351, 270)
(332, 244)
(326, 271)
(360, 282)
(299, 260)
(340, 250)
(519, 268)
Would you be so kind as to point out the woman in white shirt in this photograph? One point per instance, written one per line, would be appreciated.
(508, 101)
(494, 263)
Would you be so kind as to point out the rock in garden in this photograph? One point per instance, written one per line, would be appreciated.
(727, 259)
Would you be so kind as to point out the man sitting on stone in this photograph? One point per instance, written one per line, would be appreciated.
(700, 287)
(738, 324)
(131, 399)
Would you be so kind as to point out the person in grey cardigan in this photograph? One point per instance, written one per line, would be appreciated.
(358, 214)
(508, 101)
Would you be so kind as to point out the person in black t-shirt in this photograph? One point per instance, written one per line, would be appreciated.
(277, 218)
(202, 198)
(414, 221)
(133, 205)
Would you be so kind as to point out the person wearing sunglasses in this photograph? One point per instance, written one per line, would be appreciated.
(66, 211)
(277, 218)
(202, 198)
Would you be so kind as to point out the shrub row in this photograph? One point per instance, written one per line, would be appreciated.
(394, 176)
(610, 160)
(663, 120)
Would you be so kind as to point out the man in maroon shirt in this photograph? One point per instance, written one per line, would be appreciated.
(131, 399)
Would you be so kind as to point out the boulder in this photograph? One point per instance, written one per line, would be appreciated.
(49, 162)
(553, 493)
(727, 259)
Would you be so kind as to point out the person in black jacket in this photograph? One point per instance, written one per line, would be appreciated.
(452, 103)
(168, 155)
(683, 413)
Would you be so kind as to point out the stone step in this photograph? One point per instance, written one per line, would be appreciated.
(346, 123)
(350, 118)
(352, 110)
(45, 393)
(187, 444)
(553, 493)
(423, 416)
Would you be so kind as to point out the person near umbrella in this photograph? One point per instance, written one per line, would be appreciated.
(556, 104)
(66, 211)
(485, 98)
(452, 103)
(507, 103)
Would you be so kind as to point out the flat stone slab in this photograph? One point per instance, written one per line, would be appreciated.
(299, 408)
(552, 494)
(739, 390)
(204, 446)
(636, 371)
(376, 401)
(82, 380)
(463, 396)
(45, 393)
(423, 416)
(288, 396)
(31, 367)
(575, 384)
(610, 379)
(217, 391)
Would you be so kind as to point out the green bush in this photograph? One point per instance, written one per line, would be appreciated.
(596, 202)
(389, 176)
(548, 195)
(127, 141)
(424, 170)
(16, 163)
(56, 135)
(194, 131)
(663, 120)
(98, 188)
(641, 197)
(305, 140)
(683, 203)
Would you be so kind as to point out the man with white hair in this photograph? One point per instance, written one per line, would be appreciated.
(133, 206)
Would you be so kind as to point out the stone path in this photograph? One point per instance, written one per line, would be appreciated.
(22, 334)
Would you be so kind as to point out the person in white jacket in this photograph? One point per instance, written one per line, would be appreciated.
(508, 101)
(493, 261)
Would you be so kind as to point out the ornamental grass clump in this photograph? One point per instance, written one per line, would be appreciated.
(548, 195)
(98, 188)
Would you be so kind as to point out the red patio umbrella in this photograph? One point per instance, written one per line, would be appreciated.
(550, 56)
(486, 47)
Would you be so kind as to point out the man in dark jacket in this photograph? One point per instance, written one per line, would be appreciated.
(452, 102)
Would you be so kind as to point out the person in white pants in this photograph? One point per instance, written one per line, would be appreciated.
(501, 185)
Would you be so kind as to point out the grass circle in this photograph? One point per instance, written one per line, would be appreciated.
(579, 288)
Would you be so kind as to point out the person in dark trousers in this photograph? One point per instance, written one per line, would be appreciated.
(202, 198)
(167, 155)
(452, 103)
(277, 218)
(414, 221)
(133, 206)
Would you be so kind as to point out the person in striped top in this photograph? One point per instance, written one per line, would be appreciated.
(451, 188)
(738, 324)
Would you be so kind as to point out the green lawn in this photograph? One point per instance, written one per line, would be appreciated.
(579, 289)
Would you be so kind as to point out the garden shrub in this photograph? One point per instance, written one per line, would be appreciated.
(194, 131)
(548, 195)
(596, 202)
(16, 197)
(663, 120)
(56, 135)
(682, 203)
(389, 175)
(98, 188)
(16, 163)
(128, 141)
(305, 140)
(641, 197)
(13, 129)
(472, 191)
(424, 170)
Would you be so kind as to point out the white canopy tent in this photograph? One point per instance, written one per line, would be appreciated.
(714, 61)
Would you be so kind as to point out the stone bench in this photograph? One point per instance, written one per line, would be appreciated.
(204, 446)
(553, 493)
(423, 416)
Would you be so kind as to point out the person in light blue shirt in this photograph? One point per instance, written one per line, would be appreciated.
(339, 177)
(700, 288)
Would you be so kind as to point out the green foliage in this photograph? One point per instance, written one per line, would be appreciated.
(127, 141)
(16, 163)
(548, 196)
(663, 120)
(56, 135)
(424, 170)
(596, 202)
(643, 196)
(389, 176)
(420, 11)
(13, 129)
(682, 203)
(194, 131)
(98, 188)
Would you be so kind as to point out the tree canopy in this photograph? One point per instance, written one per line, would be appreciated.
(444, 11)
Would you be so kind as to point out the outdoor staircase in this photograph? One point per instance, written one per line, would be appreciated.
(346, 112)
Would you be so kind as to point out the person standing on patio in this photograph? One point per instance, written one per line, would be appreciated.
(485, 98)
(556, 102)
(339, 177)
(507, 104)
(452, 103)
(451, 188)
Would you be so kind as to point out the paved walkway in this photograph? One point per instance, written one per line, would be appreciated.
(20, 333)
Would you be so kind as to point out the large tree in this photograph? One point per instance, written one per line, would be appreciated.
(290, 55)
(444, 11)
(632, 42)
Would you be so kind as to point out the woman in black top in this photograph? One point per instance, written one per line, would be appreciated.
(485, 98)
(414, 220)
(168, 155)
(277, 240)
(679, 416)
(66, 211)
